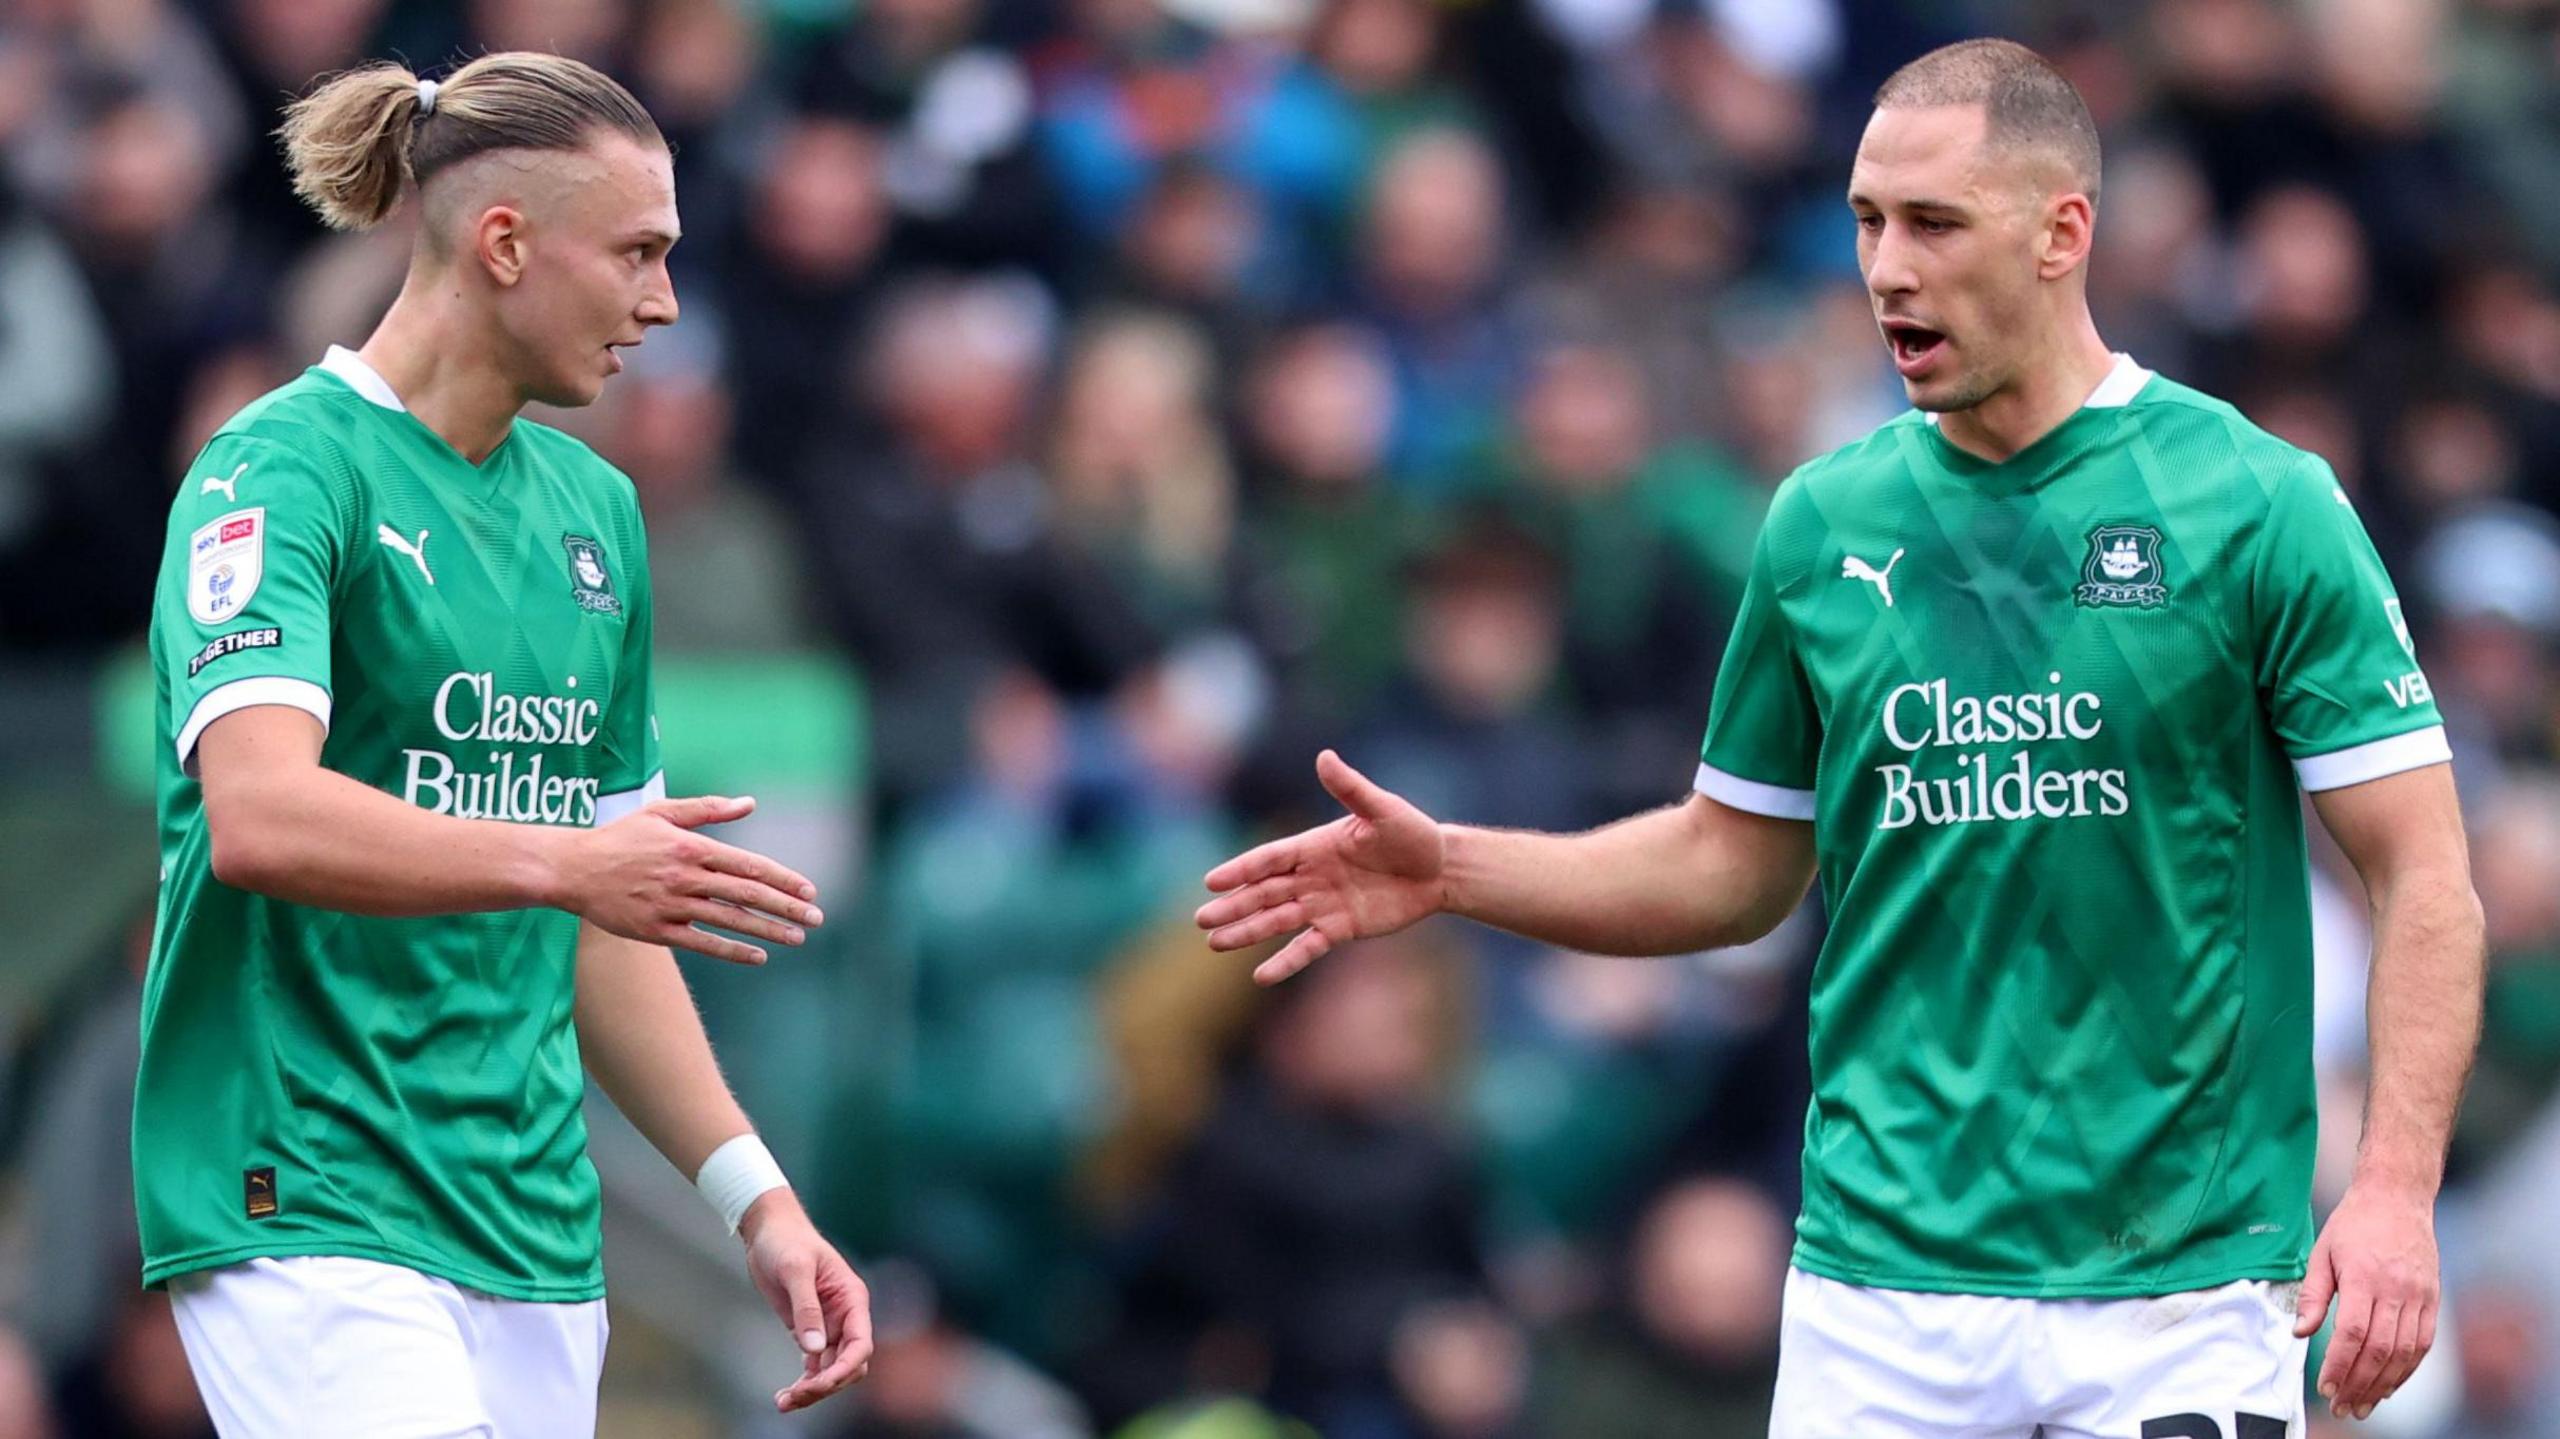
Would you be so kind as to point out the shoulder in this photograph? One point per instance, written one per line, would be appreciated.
(574, 462)
(1835, 483)
(311, 419)
(2198, 435)
(569, 462)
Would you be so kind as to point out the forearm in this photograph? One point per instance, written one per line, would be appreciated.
(2423, 1015)
(1687, 877)
(642, 1040)
(313, 836)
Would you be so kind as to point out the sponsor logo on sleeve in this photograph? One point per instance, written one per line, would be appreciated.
(225, 560)
(232, 644)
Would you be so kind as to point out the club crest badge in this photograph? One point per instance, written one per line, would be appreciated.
(2123, 568)
(589, 583)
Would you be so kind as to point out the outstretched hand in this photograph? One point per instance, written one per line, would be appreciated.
(1371, 872)
(651, 877)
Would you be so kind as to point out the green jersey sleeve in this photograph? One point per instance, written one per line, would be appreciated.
(1764, 733)
(633, 775)
(2337, 670)
(257, 537)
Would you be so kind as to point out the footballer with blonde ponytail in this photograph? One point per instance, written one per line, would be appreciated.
(422, 875)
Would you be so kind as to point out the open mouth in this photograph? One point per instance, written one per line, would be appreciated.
(1914, 346)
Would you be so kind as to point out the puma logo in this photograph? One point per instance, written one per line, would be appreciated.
(1854, 568)
(228, 487)
(418, 551)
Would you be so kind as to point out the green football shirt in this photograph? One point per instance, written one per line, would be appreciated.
(2048, 717)
(475, 640)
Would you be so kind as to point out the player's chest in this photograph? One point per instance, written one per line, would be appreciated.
(2022, 622)
(481, 587)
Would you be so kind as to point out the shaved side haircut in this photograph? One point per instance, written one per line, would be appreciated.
(2028, 104)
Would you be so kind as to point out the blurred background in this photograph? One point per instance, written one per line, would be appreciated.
(1083, 410)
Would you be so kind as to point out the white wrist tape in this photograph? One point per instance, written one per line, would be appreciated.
(735, 1174)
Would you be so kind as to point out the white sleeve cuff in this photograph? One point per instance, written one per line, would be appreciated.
(1751, 796)
(2373, 760)
(612, 807)
(247, 694)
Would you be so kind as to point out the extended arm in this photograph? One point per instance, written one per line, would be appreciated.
(2403, 833)
(642, 1040)
(284, 825)
(1691, 876)
(1694, 875)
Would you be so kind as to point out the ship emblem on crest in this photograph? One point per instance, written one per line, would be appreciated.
(2123, 568)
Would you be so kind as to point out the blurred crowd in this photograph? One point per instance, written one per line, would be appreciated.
(1142, 394)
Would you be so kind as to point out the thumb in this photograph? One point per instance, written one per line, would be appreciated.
(1356, 791)
(700, 810)
(2319, 1286)
(808, 1321)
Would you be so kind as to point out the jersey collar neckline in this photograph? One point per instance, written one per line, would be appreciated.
(351, 369)
(2124, 380)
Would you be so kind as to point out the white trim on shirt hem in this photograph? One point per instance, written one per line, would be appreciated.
(243, 694)
(1774, 800)
(2374, 759)
(629, 802)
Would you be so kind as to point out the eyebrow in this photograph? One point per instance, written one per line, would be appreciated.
(653, 235)
(1947, 207)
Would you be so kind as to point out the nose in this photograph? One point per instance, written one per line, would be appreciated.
(658, 306)
(1889, 271)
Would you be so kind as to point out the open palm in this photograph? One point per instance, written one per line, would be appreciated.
(1373, 871)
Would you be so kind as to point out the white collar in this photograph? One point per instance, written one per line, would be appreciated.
(362, 378)
(2124, 380)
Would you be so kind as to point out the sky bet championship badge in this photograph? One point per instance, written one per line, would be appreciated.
(2123, 568)
(224, 561)
(589, 585)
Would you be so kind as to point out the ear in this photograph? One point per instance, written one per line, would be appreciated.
(2070, 227)
(498, 241)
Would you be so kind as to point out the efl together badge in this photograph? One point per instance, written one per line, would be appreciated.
(224, 562)
(589, 584)
(2123, 568)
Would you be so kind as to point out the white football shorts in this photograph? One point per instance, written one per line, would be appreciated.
(335, 1348)
(1860, 1363)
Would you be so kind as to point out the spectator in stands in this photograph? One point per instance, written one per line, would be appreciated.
(1323, 1207)
(1689, 1341)
(1432, 248)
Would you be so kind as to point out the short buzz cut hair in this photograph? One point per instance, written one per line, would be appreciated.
(2027, 103)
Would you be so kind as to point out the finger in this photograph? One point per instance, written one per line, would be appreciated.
(686, 937)
(2417, 1336)
(1356, 791)
(1226, 909)
(849, 1319)
(808, 1319)
(729, 859)
(745, 921)
(1270, 924)
(1260, 862)
(1305, 950)
(2318, 1285)
(2358, 1391)
(695, 811)
(2346, 1346)
(756, 895)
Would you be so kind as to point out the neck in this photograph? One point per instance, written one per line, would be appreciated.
(2050, 388)
(432, 349)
